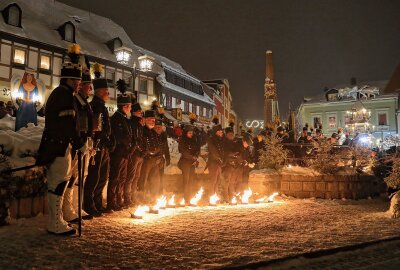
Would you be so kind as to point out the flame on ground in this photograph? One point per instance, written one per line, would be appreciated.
(171, 201)
(197, 197)
(161, 203)
(140, 211)
(272, 197)
(214, 199)
(246, 195)
(182, 203)
(234, 200)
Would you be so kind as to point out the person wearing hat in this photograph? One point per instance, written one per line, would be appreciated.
(215, 157)
(61, 140)
(150, 177)
(99, 167)
(135, 160)
(280, 134)
(233, 163)
(199, 135)
(85, 127)
(166, 159)
(248, 163)
(319, 136)
(122, 131)
(190, 151)
(305, 138)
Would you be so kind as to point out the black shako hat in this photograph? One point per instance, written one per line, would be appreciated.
(216, 128)
(149, 113)
(188, 128)
(123, 98)
(136, 107)
(229, 130)
(72, 69)
(98, 83)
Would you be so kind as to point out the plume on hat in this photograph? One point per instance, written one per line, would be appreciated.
(97, 70)
(74, 52)
(122, 86)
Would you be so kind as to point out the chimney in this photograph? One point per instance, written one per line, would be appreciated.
(269, 68)
(353, 81)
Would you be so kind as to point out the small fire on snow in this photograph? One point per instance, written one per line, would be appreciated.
(140, 211)
(267, 198)
(214, 199)
(246, 195)
(171, 202)
(182, 203)
(233, 201)
(197, 197)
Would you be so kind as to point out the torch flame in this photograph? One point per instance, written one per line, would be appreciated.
(289, 166)
(246, 195)
(182, 203)
(197, 197)
(234, 201)
(171, 201)
(141, 210)
(161, 203)
(271, 198)
(214, 199)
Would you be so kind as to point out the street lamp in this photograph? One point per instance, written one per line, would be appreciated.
(146, 63)
(123, 55)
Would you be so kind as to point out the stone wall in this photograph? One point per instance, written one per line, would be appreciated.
(319, 186)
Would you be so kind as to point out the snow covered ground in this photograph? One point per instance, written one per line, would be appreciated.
(198, 238)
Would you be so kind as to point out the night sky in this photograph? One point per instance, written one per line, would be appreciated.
(315, 43)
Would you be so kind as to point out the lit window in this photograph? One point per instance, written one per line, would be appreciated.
(13, 16)
(45, 62)
(332, 121)
(19, 56)
(382, 119)
(69, 32)
(332, 97)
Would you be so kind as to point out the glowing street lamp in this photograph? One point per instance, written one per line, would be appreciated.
(146, 63)
(123, 55)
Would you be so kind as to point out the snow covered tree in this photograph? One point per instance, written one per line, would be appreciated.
(326, 159)
(393, 182)
(274, 156)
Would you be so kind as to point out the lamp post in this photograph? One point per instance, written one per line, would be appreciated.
(123, 55)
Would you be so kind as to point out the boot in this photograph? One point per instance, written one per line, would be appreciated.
(56, 224)
(74, 204)
(70, 215)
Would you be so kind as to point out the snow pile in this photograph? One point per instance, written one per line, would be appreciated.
(199, 237)
(175, 155)
(20, 147)
(297, 170)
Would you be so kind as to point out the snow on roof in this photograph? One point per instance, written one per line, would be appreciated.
(204, 98)
(41, 19)
(321, 98)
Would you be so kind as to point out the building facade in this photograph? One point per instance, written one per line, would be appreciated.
(27, 40)
(358, 108)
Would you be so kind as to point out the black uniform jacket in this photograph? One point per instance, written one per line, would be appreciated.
(121, 129)
(137, 134)
(103, 137)
(60, 130)
(152, 143)
(233, 152)
(189, 149)
(215, 150)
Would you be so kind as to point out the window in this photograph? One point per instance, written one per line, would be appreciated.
(168, 100)
(117, 43)
(110, 77)
(382, 119)
(332, 97)
(143, 85)
(332, 122)
(12, 15)
(317, 123)
(187, 106)
(19, 56)
(67, 32)
(45, 62)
